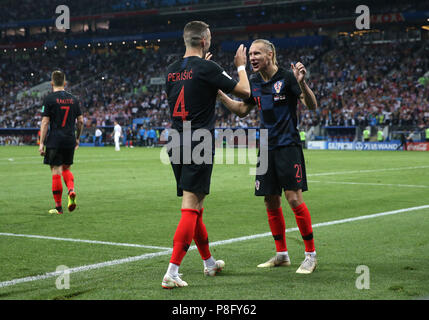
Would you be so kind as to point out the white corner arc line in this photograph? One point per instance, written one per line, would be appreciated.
(216, 243)
(84, 241)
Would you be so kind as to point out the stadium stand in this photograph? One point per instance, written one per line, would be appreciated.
(361, 79)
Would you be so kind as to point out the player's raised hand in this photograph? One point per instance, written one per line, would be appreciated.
(240, 58)
(208, 56)
(299, 71)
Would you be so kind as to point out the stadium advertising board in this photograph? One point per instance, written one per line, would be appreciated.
(317, 145)
(418, 146)
(381, 146)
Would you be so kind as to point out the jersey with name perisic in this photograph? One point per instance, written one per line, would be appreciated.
(62, 108)
(277, 100)
(192, 87)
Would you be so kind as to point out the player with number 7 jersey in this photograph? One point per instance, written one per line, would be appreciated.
(60, 111)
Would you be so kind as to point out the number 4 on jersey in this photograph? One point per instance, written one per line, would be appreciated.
(180, 102)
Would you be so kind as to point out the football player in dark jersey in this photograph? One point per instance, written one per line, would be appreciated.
(61, 114)
(276, 91)
(192, 84)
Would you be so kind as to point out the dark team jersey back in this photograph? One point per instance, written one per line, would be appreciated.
(192, 84)
(62, 108)
(277, 103)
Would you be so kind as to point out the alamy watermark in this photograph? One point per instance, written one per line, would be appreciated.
(196, 146)
(362, 282)
(63, 20)
(63, 280)
(363, 21)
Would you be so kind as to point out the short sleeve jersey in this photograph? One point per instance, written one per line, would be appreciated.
(277, 101)
(192, 84)
(62, 108)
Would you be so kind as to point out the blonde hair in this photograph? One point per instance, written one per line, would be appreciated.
(269, 46)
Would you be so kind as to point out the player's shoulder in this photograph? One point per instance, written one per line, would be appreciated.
(255, 77)
(285, 73)
(173, 66)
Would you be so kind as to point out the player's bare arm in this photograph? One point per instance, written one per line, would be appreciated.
(79, 129)
(242, 89)
(307, 97)
(240, 108)
(43, 132)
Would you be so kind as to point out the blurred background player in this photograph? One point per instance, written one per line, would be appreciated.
(59, 112)
(151, 137)
(117, 135)
(192, 85)
(276, 91)
(129, 134)
(142, 136)
(98, 136)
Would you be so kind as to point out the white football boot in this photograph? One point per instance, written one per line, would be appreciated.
(211, 271)
(170, 282)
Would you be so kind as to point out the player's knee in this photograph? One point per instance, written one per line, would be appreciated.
(272, 202)
(294, 198)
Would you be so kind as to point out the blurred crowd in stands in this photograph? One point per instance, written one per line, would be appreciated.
(355, 84)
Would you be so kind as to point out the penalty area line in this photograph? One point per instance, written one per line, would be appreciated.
(215, 243)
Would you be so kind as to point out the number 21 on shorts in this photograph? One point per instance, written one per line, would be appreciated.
(298, 174)
(180, 103)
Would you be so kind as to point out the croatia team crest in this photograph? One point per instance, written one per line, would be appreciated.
(278, 86)
(257, 184)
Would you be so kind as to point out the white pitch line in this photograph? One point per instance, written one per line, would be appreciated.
(372, 184)
(82, 240)
(216, 243)
(84, 268)
(364, 171)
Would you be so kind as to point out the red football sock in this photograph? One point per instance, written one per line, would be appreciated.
(277, 226)
(201, 237)
(68, 179)
(57, 189)
(184, 234)
(303, 220)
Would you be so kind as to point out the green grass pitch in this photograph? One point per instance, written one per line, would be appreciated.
(129, 197)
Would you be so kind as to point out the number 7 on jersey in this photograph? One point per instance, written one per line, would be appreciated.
(180, 102)
(67, 108)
